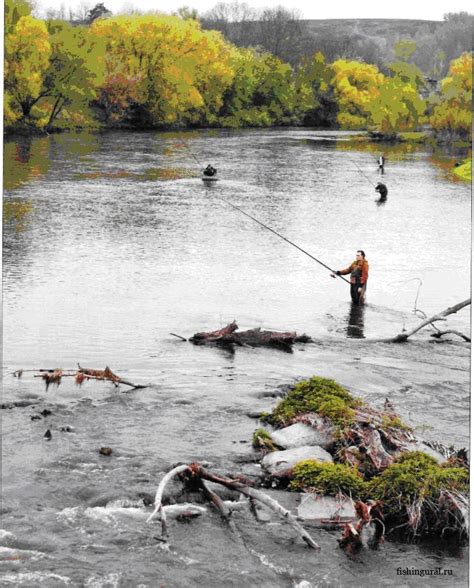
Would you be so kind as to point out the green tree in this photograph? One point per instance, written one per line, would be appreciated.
(13, 11)
(74, 72)
(316, 104)
(262, 92)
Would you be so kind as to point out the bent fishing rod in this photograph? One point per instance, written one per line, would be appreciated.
(269, 228)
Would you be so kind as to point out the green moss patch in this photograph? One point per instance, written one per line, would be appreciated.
(414, 136)
(261, 440)
(464, 171)
(319, 395)
(415, 476)
(328, 478)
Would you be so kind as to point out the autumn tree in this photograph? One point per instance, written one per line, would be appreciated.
(356, 89)
(161, 70)
(27, 52)
(369, 99)
(451, 117)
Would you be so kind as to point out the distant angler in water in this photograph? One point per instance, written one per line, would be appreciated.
(382, 190)
(210, 171)
(359, 270)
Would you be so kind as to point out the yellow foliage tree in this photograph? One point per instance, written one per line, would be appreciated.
(27, 53)
(452, 116)
(356, 88)
(369, 99)
(162, 67)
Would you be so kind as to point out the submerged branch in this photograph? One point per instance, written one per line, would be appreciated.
(199, 474)
(261, 497)
(402, 337)
(159, 497)
(439, 334)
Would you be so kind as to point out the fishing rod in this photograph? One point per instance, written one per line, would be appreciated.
(279, 235)
(366, 177)
(269, 228)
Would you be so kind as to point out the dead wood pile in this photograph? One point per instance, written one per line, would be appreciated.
(228, 336)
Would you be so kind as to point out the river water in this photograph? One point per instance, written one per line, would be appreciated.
(111, 242)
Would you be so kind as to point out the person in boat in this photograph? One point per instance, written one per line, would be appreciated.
(210, 171)
(381, 161)
(359, 270)
(382, 190)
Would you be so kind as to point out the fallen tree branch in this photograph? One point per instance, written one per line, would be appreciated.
(402, 337)
(261, 497)
(439, 334)
(107, 374)
(351, 540)
(54, 376)
(159, 496)
(228, 336)
(178, 336)
(199, 474)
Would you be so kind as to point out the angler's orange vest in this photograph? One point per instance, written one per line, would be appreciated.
(358, 269)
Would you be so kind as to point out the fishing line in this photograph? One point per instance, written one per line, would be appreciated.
(265, 226)
(195, 158)
(279, 235)
(366, 177)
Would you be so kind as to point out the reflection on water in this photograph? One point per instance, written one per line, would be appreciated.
(149, 174)
(355, 321)
(24, 160)
(17, 212)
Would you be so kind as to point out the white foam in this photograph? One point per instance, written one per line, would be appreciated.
(109, 581)
(18, 555)
(34, 578)
(69, 514)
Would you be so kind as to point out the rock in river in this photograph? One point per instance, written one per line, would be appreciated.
(325, 509)
(300, 434)
(278, 462)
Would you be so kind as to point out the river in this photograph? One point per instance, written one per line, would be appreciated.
(111, 242)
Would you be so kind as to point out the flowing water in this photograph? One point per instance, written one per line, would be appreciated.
(111, 242)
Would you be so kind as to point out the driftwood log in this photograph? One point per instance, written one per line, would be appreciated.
(228, 336)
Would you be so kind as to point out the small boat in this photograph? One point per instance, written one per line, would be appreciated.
(209, 179)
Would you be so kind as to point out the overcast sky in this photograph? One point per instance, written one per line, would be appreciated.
(311, 9)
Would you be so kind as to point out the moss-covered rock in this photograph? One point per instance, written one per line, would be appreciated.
(415, 476)
(328, 478)
(261, 440)
(320, 395)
